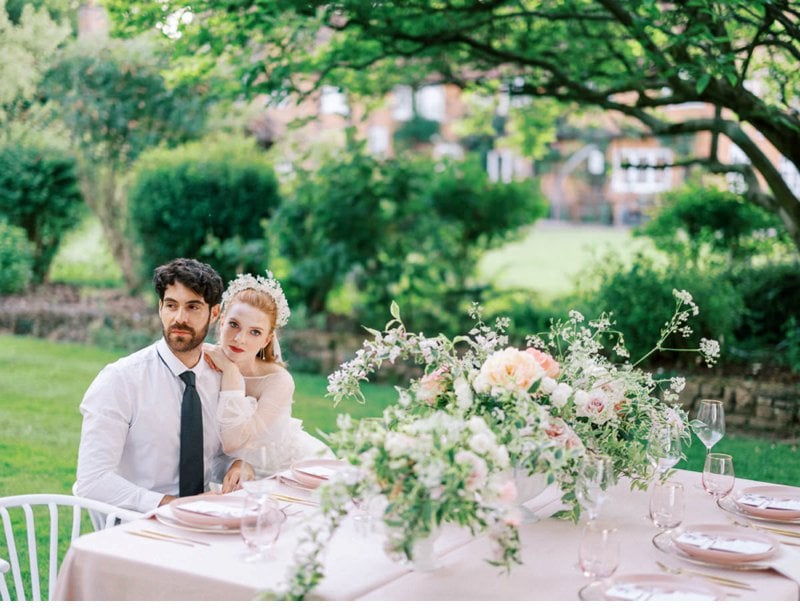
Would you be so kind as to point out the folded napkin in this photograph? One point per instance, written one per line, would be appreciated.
(787, 563)
(720, 543)
(761, 501)
(634, 591)
(323, 472)
(215, 509)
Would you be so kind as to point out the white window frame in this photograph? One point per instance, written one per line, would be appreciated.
(641, 180)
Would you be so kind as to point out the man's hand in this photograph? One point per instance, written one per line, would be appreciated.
(166, 500)
(239, 472)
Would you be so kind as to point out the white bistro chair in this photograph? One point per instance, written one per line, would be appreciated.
(47, 534)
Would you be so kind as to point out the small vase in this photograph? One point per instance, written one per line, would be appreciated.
(528, 487)
(424, 552)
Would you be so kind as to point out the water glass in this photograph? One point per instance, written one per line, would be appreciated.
(595, 476)
(598, 554)
(666, 505)
(709, 424)
(663, 448)
(718, 475)
(261, 525)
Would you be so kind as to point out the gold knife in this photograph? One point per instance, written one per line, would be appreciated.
(290, 498)
(175, 537)
(177, 541)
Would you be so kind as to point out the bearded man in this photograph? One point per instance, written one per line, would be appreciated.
(149, 429)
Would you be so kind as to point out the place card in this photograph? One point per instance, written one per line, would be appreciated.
(719, 543)
(216, 509)
(761, 501)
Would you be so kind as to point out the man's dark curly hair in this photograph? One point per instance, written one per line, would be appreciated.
(199, 277)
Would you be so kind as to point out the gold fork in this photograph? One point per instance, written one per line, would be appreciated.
(711, 577)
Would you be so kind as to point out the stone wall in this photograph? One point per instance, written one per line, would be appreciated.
(753, 405)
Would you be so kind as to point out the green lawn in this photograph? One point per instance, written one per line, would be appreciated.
(549, 256)
(43, 382)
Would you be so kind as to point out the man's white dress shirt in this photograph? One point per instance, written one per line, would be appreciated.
(130, 439)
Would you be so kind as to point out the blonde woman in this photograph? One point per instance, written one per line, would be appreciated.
(256, 390)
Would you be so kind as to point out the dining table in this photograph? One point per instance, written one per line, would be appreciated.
(132, 562)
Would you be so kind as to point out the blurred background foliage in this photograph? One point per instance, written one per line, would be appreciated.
(104, 146)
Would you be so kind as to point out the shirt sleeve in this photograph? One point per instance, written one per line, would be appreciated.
(107, 416)
(245, 421)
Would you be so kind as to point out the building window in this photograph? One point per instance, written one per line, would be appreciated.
(500, 166)
(332, 100)
(790, 175)
(402, 103)
(736, 183)
(431, 102)
(636, 170)
(378, 140)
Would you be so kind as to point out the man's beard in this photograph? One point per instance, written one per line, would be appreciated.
(188, 341)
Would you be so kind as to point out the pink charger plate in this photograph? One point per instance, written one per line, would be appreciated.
(664, 584)
(772, 514)
(715, 556)
(202, 519)
(312, 473)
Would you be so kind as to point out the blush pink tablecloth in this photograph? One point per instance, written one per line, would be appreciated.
(115, 565)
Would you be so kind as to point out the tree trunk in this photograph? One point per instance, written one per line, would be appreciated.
(103, 191)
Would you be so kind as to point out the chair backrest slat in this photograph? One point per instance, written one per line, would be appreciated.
(11, 544)
(51, 502)
(33, 552)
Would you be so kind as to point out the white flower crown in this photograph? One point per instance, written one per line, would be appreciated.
(268, 285)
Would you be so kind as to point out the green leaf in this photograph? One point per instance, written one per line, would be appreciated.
(394, 310)
(702, 82)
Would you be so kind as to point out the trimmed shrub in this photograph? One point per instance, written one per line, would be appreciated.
(39, 193)
(640, 298)
(207, 200)
(16, 259)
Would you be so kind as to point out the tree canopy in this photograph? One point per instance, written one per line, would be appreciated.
(636, 57)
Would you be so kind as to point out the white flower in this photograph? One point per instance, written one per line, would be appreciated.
(677, 383)
(480, 443)
(463, 393)
(548, 385)
(710, 350)
(595, 405)
(508, 370)
(398, 444)
(560, 396)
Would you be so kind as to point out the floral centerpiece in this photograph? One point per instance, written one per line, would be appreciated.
(480, 408)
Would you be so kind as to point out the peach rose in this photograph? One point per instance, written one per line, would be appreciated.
(548, 364)
(509, 370)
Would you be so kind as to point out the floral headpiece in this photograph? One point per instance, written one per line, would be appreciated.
(268, 285)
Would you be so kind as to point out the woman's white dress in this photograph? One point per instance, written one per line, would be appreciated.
(256, 424)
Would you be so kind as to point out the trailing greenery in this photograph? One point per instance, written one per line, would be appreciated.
(16, 259)
(39, 193)
(209, 199)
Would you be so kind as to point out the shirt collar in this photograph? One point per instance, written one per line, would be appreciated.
(174, 364)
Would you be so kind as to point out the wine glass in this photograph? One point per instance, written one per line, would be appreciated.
(709, 425)
(595, 476)
(598, 553)
(666, 505)
(718, 475)
(261, 525)
(663, 448)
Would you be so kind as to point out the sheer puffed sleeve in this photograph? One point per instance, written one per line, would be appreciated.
(248, 421)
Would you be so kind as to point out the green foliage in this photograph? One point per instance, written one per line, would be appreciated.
(16, 259)
(694, 217)
(415, 131)
(207, 200)
(771, 294)
(397, 228)
(28, 39)
(115, 102)
(639, 296)
(593, 53)
(39, 193)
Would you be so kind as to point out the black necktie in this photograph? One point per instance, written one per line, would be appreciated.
(191, 459)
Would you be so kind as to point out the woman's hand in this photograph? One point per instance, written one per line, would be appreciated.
(239, 472)
(216, 357)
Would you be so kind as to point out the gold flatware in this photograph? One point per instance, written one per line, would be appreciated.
(175, 537)
(177, 541)
(768, 528)
(711, 577)
(290, 498)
